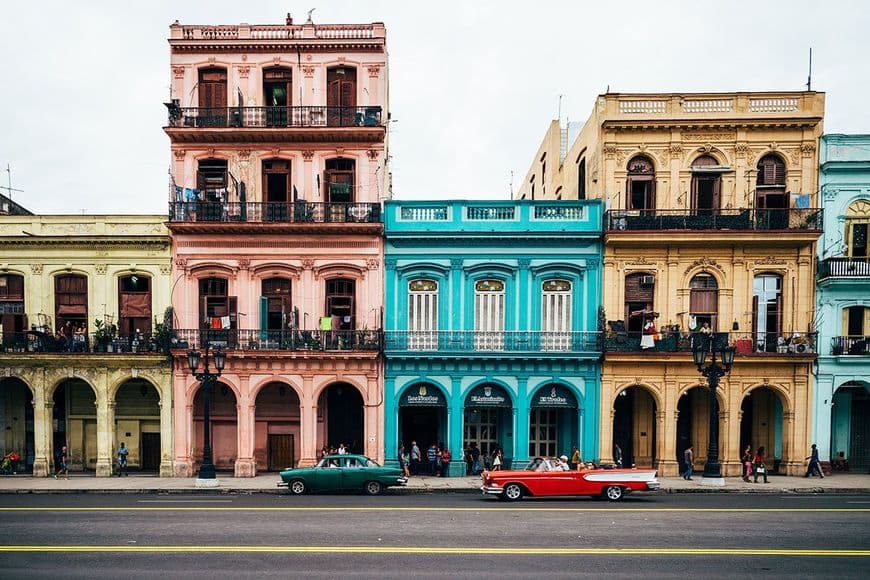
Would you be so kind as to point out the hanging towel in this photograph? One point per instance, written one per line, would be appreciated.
(225, 322)
(802, 201)
(215, 322)
(179, 193)
(325, 323)
(190, 194)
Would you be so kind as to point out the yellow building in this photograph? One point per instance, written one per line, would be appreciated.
(82, 303)
(711, 223)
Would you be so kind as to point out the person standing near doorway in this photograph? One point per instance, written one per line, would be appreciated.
(446, 458)
(575, 458)
(617, 454)
(403, 461)
(122, 460)
(415, 458)
(432, 457)
(746, 460)
(688, 459)
(62, 468)
(475, 458)
(758, 465)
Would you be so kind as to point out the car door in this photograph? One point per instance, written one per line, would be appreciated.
(327, 475)
(354, 473)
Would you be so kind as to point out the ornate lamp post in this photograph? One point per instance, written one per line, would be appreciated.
(713, 344)
(206, 476)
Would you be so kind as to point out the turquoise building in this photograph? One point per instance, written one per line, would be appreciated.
(842, 396)
(491, 318)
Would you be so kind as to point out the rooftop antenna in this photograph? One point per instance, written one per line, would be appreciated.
(512, 184)
(8, 187)
(309, 16)
(810, 73)
(560, 109)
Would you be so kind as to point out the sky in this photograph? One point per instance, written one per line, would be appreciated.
(473, 84)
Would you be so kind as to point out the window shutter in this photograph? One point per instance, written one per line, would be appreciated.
(264, 316)
(203, 311)
(866, 321)
(844, 325)
(233, 310)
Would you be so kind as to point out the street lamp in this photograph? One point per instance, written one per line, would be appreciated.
(713, 344)
(206, 476)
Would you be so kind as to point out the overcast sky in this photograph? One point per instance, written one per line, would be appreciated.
(473, 84)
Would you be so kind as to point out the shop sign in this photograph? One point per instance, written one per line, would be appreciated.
(422, 396)
(554, 396)
(487, 396)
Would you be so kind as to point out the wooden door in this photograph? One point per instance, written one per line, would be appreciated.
(150, 452)
(281, 452)
(212, 97)
(341, 96)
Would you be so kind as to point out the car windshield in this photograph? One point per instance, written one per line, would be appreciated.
(328, 462)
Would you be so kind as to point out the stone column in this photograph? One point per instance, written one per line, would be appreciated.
(165, 405)
(308, 422)
(105, 427)
(245, 464)
(375, 429)
(522, 417)
(666, 422)
(42, 431)
(455, 426)
(789, 463)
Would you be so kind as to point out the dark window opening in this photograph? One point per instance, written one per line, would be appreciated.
(277, 95)
(217, 310)
(639, 292)
(71, 301)
(211, 180)
(339, 179)
(705, 186)
(278, 306)
(581, 179)
(340, 298)
(770, 183)
(12, 313)
(855, 320)
(276, 181)
(640, 186)
(858, 245)
(134, 305)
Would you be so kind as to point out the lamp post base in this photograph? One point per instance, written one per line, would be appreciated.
(207, 482)
(713, 481)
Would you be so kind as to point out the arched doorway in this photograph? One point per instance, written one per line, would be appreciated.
(340, 408)
(16, 422)
(276, 431)
(422, 416)
(640, 188)
(553, 426)
(850, 426)
(761, 424)
(489, 420)
(137, 424)
(74, 424)
(634, 426)
(223, 420)
(693, 425)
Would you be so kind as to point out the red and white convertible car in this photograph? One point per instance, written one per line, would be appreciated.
(543, 477)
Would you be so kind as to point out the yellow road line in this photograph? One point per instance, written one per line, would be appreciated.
(740, 552)
(427, 509)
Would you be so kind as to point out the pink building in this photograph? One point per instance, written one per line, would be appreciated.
(279, 165)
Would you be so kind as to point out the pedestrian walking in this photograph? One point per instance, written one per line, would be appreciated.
(759, 465)
(122, 459)
(415, 458)
(617, 454)
(497, 461)
(814, 466)
(746, 460)
(403, 461)
(475, 458)
(576, 460)
(61, 464)
(689, 460)
(432, 457)
(446, 458)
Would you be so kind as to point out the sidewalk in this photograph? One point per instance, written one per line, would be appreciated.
(840, 483)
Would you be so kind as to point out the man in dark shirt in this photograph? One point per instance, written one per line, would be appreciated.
(475, 459)
(432, 456)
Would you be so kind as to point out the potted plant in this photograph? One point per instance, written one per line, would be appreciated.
(101, 336)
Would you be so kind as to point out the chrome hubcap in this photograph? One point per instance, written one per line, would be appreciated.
(298, 487)
(512, 491)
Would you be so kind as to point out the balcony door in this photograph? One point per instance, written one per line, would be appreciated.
(489, 315)
(277, 95)
(640, 190)
(767, 311)
(770, 183)
(71, 300)
(218, 312)
(706, 185)
(276, 189)
(12, 312)
(134, 305)
(276, 311)
(212, 87)
(703, 302)
(556, 298)
(422, 315)
(340, 303)
(341, 96)
(857, 224)
(639, 291)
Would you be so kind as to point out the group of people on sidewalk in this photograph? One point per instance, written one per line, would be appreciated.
(754, 464)
(61, 461)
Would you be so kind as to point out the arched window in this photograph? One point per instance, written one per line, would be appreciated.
(489, 315)
(706, 185)
(639, 289)
(770, 183)
(341, 96)
(556, 298)
(581, 179)
(857, 223)
(703, 302)
(71, 300)
(640, 190)
(422, 314)
(12, 312)
(212, 88)
(134, 305)
(767, 311)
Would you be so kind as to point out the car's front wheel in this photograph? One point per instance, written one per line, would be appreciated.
(613, 493)
(297, 487)
(373, 488)
(512, 492)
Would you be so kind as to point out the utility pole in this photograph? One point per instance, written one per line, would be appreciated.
(8, 187)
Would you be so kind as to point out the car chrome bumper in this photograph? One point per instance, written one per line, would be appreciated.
(402, 481)
(653, 485)
(283, 484)
(491, 489)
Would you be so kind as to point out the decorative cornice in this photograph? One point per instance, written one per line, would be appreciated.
(178, 72)
(705, 264)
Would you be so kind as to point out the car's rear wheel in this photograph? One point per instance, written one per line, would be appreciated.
(373, 488)
(297, 487)
(613, 493)
(512, 492)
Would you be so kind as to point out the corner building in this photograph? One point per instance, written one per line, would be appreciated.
(842, 400)
(491, 327)
(278, 138)
(712, 217)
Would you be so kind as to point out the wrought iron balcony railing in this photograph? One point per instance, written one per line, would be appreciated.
(291, 340)
(507, 341)
(35, 342)
(850, 345)
(746, 343)
(844, 267)
(256, 212)
(274, 117)
(713, 220)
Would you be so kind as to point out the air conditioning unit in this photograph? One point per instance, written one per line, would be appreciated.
(647, 280)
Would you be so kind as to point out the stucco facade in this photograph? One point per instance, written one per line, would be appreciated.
(491, 328)
(711, 218)
(89, 388)
(278, 137)
(842, 397)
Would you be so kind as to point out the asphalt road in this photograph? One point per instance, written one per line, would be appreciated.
(444, 535)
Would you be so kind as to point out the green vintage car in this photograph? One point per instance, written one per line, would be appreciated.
(342, 472)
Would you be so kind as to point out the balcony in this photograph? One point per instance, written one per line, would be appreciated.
(844, 267)
(280, 340)
(746, 343)
(470, 341)
(850, 346)
(212, 215)
(35, 342)
(748, 220)
(293, 123)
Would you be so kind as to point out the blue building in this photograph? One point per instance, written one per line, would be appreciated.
(491, 327)
(842, 397)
